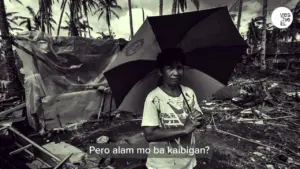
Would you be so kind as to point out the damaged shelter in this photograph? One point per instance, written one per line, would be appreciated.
(62, 78)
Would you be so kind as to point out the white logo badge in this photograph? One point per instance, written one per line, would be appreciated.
(282, 17)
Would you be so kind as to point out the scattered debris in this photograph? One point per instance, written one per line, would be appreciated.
(269, 166)
(102, 140)
(254, 124)
(227, 93)
(18, 107)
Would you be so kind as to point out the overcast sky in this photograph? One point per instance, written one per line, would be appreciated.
(251, 9)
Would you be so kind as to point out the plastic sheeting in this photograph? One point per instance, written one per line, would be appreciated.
(34, 92)
(59, 65)
(63, 109)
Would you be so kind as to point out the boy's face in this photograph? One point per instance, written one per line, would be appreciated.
(171, 74)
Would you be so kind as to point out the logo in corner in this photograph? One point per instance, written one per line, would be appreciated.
(282, 17)
(134, 47)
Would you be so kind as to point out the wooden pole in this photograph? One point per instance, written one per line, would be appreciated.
(264, 36)
(240, 15)
(161, 3)
(130, 19)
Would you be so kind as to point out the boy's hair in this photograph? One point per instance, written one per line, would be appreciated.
(168, 56)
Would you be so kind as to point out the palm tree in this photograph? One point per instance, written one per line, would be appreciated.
(88, 5)
(78, 25)
(82, 7)
(7, 49)
(105, 36)
(45, 15)
(182, 5)
(50, 23)
(35, 18)
(12, 20)
(71, 26)
(85, 26)
(107, 6)
(62, 8)
(75, 10)
(26, 21)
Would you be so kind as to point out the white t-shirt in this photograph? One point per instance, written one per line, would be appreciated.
(166, 111)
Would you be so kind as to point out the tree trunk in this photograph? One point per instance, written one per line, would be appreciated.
(130, 19)
(109, 31)
(174, 6)
(48, 24)
(84, 30)
(264, 37)
(178, 7)
(79, 15)
(88, 24)
(240, 15)
(42, 15)
(14, 86)
(161, 5)
(143, 14)
(61, 15)
(74, 30)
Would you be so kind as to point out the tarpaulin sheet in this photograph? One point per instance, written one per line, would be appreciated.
(34, 91)
(66, 64)
(61, 110)
(58, 65)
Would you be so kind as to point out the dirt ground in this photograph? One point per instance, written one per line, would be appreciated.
(269, 140)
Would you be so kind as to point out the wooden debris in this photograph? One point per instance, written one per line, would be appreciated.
(18, 107)
(102, 140)
(63, 161)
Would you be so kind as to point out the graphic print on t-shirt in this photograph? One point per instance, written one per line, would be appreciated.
(178, 110)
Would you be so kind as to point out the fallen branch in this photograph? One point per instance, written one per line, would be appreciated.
(18, 107)
(275, 118)
(63, 161)
(283, 117)
(295, 124)
(12, 99)
(134, 120)
(237, 136)
(280, 125)
(297, 154)
(293, 84)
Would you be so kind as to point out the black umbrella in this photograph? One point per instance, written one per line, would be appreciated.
(209, 38)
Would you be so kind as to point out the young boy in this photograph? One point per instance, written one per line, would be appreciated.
(171, 113)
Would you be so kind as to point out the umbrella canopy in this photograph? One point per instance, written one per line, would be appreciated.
(209, 38)
(202, 84)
